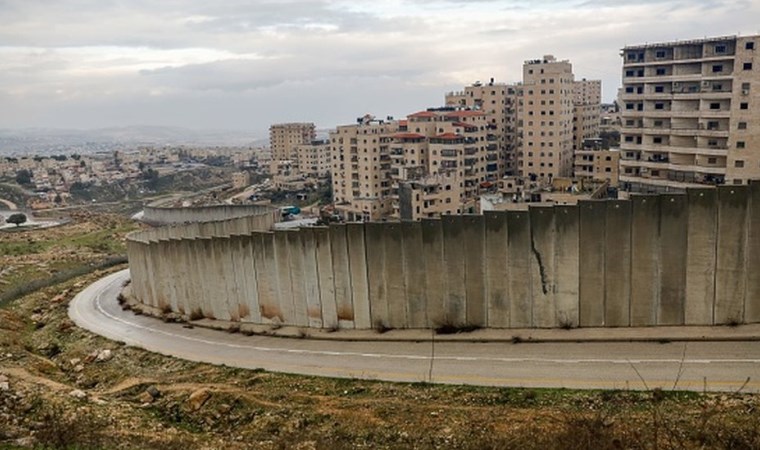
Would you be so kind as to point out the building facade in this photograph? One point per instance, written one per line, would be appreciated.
(499, 102)
(690, 114)
(284, 137)
(545, 118)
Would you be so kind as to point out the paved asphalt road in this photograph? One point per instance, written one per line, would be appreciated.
(720, 366)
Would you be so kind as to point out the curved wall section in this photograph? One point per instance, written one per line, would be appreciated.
(159, 215)
(652, 260)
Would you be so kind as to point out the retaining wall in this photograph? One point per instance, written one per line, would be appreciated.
(159, 215)
(689, 259)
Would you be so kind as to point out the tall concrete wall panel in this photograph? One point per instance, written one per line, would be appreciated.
(651, 260)
(342, 276)
(593, 215)
(673, 232)
(701, 244)
(518, 269)
(567, 275)
(284, 282)
(455, 296)
(357, 258)
(326, 278)
(543, 267)
(730, 276)
(473, 231)
(297, 279)
(435, 278)
(645, 260)
(250, 309)
(266, 277)
(414, 274)
(311, 279)
(394, 276)
(496, 278)
(617, 264)
(376, 274)
(752, 299)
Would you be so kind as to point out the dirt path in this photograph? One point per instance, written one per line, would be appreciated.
(12, 206)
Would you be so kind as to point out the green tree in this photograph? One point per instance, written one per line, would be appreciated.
(17, 219)
(24, 177)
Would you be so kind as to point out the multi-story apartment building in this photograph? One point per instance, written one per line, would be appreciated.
(498, 102)
(434, 162)
(587, 101)
(596, 163)
(690, 113)
(545, 117)
(313, 159)
(284, 137)
(361, 169)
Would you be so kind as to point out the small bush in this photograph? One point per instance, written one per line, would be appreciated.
(381, 327)
(196, 314)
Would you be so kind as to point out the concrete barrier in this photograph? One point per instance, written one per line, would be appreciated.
(652, 260)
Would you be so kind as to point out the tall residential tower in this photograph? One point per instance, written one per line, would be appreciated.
(690, 114)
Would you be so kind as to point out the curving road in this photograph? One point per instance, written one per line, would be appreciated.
(718, 366)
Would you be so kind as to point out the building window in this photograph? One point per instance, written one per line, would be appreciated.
(657, 140)
(660, 71)
(712, 160)
(659, 89)
(739, 164)
(717, 68)
(660, 54)
(714, 105)
(744, 105)
(629, 90)
(740, 144)
(659, 106)
(742, 126)
(720, 49)
(747, 66)
(749, 46)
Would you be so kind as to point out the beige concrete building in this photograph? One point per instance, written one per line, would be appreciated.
(499, 102)
(313, 159)
(284, 137)
(361, 165)
(240, 180)
(434, 162)
(690, 114)
(598, 164)
(587, 100)
(545, 117)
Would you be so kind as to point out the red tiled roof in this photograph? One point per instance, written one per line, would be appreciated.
(408, 136)
(403, 122)
(448, 136)
(423, 114)
(466, 113)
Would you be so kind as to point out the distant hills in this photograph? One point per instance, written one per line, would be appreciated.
(42, 141)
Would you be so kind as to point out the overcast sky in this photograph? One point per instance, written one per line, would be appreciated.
(218, 64)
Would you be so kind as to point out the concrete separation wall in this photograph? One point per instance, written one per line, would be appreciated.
(649, 261)
(160, 215)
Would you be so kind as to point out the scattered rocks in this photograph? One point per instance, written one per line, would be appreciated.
(197, 399)
(78, 393)
(4, 384)
(153, 392)
(104, 356)
(145, 397)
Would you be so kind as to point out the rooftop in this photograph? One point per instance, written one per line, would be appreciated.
(684, 42)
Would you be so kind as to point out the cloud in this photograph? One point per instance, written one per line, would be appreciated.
(92, 63)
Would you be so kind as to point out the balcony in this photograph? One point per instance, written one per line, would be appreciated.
(712, 151)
